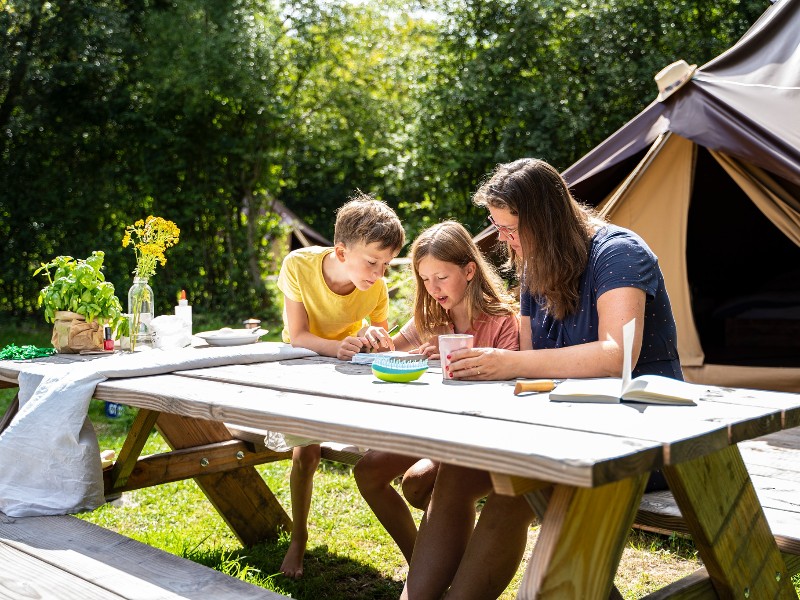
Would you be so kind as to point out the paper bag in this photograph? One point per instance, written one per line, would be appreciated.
(72, 334)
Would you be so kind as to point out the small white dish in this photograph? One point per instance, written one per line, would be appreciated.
(231, 337)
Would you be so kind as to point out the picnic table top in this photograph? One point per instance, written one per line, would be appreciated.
(480, 424)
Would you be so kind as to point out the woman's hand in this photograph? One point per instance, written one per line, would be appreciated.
(482, 364)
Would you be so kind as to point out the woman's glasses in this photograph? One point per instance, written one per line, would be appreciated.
(506, 231)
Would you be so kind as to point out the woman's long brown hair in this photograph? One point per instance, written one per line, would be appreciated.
(450, 242)
(555, 231)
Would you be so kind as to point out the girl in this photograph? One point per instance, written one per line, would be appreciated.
(457, 291)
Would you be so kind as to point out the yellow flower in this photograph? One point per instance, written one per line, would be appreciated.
(151, 237)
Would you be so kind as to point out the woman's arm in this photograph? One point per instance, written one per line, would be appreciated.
(602, 358)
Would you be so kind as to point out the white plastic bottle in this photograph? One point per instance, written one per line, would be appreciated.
(184, 311)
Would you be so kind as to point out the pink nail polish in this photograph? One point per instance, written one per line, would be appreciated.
(451, 375)
(449, 357)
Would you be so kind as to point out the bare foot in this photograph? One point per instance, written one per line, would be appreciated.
(292, 565)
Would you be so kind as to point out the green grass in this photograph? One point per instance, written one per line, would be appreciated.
(349, 555)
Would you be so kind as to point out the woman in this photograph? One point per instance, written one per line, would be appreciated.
(582, 279)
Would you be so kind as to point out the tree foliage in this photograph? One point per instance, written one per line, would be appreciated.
(205, 111)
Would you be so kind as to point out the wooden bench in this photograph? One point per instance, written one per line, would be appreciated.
(773, 462)
(66, 558)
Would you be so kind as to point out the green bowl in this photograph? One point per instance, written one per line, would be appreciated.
(397, 374)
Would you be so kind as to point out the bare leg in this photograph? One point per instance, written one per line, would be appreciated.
(374, 474)
(495, 549)
(305, 460)
(445, 532)
(418, 482)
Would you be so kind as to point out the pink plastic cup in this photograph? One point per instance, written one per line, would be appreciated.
(449, 343)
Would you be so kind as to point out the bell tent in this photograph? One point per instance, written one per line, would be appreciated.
(709, 175)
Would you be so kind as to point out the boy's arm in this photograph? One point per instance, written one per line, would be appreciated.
(299, 334)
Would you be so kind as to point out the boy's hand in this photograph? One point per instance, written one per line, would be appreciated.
(350, 346)
(377, 339)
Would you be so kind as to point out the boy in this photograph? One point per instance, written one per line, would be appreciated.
(328, 292)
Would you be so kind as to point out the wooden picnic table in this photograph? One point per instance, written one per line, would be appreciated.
(595, 458)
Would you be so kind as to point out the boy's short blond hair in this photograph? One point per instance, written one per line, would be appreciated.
(365, 220)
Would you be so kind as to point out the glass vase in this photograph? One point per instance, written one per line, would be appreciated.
(141, 309)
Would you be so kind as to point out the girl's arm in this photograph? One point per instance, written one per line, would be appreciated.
(602, 358)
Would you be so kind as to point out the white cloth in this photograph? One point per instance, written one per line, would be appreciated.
(49, 456)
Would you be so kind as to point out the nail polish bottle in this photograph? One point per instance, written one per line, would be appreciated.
(108, 340)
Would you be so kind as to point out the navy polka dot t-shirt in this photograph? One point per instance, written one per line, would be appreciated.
(617, 258)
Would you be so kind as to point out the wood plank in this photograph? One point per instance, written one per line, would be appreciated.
(786, 402)
(530, 451)
(241, 496)
(678, 428)
(25, 576)
(582, 536)
(510, 485)
(773, 463)
(10, 413)
(194, 462)
(140, 429)
(119, 566)
(659, 513)
(334, 451)
(698, 586)
(719, 504)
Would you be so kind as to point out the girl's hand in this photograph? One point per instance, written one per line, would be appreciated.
(349, 346)
(377, 338)
(481, 364)
(429, 350)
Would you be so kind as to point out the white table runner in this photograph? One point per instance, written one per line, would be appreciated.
(49, 456)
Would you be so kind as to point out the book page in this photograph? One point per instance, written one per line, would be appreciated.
(601, 389)
(658, 389)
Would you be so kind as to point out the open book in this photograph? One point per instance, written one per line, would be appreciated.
(653, 389)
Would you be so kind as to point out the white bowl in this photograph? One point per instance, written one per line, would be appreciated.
(231, 337)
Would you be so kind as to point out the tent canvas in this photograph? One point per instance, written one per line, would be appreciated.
(710, 178)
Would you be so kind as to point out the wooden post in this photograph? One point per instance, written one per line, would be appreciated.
(240, 496)
(583, 533)
(728, 526)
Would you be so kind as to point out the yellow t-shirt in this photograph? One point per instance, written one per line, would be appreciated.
(330, 315)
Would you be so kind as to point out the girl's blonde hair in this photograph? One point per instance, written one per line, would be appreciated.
(485, 294)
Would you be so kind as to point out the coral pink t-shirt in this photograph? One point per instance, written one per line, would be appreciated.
(489, 331)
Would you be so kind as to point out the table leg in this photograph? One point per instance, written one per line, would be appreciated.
(583, 533)
(723, 514)
(140, 430)
(240, 496)
(10, 413)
